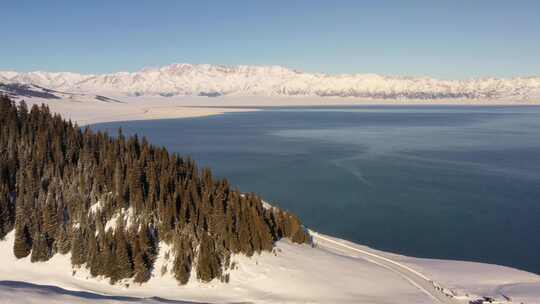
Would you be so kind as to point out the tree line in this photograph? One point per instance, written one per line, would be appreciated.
(110, 201)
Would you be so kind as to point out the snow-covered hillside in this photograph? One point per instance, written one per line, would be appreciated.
(216, 80)
(334, 271)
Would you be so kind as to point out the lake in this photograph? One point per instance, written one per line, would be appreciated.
(449, 182)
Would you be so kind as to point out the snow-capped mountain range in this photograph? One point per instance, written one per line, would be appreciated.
(216, 80)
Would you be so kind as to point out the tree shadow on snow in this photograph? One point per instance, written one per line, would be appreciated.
(48, 289)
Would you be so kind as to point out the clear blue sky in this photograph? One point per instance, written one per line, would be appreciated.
(445, 39)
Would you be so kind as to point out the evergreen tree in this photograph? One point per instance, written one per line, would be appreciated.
(183, 260)
(23, 242)
(40, 248)
(208, 263)
(124, 261)
(78, 248)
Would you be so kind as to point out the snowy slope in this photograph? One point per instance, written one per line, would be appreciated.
(216, 80)
(19, 91)
(327, 273)
(292, 274)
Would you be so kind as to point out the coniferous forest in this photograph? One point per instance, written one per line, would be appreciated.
(110, 201)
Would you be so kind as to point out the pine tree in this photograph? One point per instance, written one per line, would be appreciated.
(62, 241)
(124, 261)
(183, 260)
(23, 242)
(41, 251)
(208, 263)
(78, 248)
(142, 267)
(50, 219)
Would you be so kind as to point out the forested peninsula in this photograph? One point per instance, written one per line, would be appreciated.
(111, 201)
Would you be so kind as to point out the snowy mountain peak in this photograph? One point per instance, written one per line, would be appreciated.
(214, 80)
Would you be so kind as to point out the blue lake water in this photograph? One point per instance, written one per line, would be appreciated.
(440, 182)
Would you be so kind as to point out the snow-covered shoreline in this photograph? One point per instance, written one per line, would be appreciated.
(333, 271)
(86, 110)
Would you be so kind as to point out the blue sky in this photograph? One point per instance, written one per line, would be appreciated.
(445, 39)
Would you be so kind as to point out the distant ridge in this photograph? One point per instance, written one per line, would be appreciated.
(217, 80)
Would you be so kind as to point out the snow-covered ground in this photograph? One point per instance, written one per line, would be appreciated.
(85, 109)
(464, 280)
(326, 273)
(334, 271)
